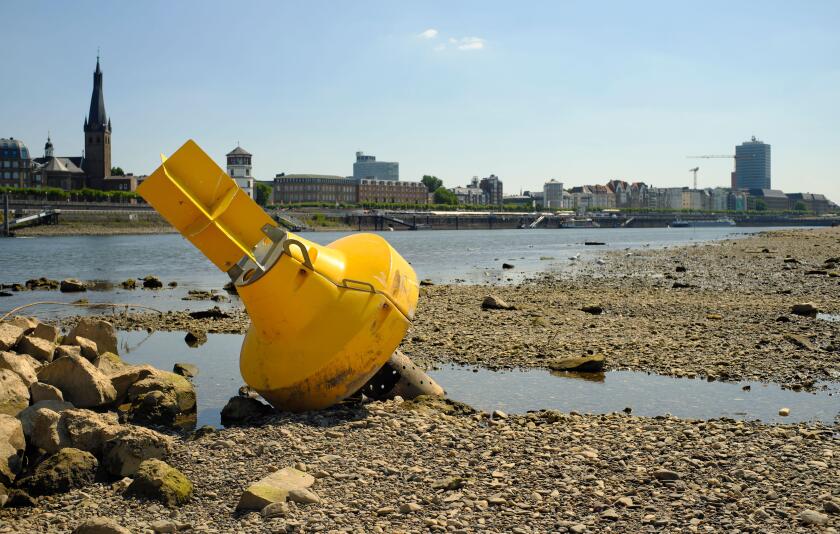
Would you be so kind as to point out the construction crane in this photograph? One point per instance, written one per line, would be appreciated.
(734, 158)
(694, 170)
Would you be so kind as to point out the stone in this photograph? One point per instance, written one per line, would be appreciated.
(163, 526)
(410, 507)
(26, 416)
(42, 283)
(831, 507)
(665, 475)
(274, 488)
(40, 349)
(130, 283)
(507, 266)
(12, 446)
(79, 381)
(152, 282)
(14, 394)
(123, 454)
(275, 509)
(88, 430)
(784, 412)
(159, 399)
(10, 335)
(20, 366)
(87, 348)
(593, 310)
(303, 496)
(38, 391)
(801, 342)
(109, 364)
(590, 363)
(100, 332)
(812, 517)
(47, 332)
(610, 514)
(187, 370)
(155, 479)
(195, 338)
(28, 324)
(67, 350)
(492, 302)
(72, 285)
(806, 309)
(100, 525)
(66, 469)
(242, 409)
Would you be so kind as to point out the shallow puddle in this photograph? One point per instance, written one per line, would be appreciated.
(515, 391)
(830, 317)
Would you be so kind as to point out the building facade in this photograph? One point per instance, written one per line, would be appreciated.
(239, 168)
(492, 187)
(752, 165)
(552, 194)
(15, 163)
(367, 168)
(391, 192)
(97, 128)
(323, 188)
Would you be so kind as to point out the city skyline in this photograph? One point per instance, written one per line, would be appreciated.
(455, 92)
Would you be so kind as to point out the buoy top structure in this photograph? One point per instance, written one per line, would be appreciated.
(324, 319)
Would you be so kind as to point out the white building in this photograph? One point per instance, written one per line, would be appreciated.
(553, 194)
(239, 168)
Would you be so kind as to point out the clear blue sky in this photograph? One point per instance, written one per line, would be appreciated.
(579, 91)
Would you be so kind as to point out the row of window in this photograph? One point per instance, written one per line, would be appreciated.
(334, 188)
(13, 175)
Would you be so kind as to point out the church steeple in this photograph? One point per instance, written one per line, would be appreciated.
(97, 119)
(48, 147)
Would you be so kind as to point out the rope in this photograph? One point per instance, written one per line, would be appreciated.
(80, 304)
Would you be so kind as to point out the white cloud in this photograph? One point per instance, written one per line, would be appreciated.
(431, 33)
(470, 43)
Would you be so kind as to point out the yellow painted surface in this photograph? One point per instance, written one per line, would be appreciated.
(317, 335)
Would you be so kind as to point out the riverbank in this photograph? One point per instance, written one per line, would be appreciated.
(79, 228)
(717, 310)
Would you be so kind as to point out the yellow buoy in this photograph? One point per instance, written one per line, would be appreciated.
(324, 319)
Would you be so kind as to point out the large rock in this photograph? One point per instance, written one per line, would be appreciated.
(12, 445)
(109, 364)
(10, 334)
(100, 525)
(27, 416)
(14, 394)
(28, 324)
(158, 480)
(492, 302)
(72, 285)
(20, 366)
(806, 309)
(46, 332)
(68, 468)
(274, 488)
(242, 409)
(590, 363)
(161, 398)
(87, 348)
(123, 454)
(79, 381)
(40, 349)
(87, 430)
(100, 332)
(38, 391)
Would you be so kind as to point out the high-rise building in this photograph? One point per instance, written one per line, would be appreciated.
(14, 163)
(239, 168)
(492, 187)
(752, 165)
(367, 168)
(553, 194)
(97, 158)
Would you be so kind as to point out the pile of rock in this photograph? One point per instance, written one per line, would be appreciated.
(70, 410)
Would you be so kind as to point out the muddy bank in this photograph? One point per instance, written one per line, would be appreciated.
(95, 228)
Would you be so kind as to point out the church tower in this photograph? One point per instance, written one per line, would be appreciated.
(97, 159)
(48, 148)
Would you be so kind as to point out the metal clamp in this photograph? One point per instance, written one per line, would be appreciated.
(287, 249)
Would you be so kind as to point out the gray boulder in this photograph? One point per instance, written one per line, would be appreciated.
(79, 381)
(243, 409)
(14, 394)
(158, 480)
(10, 334)
(123, 454)
(275, 488)
(72, 285)
(100, 332)
(67, 469)
(12, 445)
(20, 366)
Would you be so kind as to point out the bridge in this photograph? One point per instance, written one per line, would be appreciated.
(49, 216)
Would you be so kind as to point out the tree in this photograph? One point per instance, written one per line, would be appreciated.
(800, 206)
(263, 193)
(117, 171)
(760, 205)
(432, 183)
(445, 196)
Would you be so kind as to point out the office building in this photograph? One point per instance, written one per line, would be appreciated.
(317, 188)
(239, 168)
(552, 194)
(14, 163)
(391, 192)
(492, 187)
(367, 168)
(752, 165)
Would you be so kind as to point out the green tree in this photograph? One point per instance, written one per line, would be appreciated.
(760, 205)
(432, 183)
(117, 171)
(263, 193)
(445, 196)
(800, 206)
